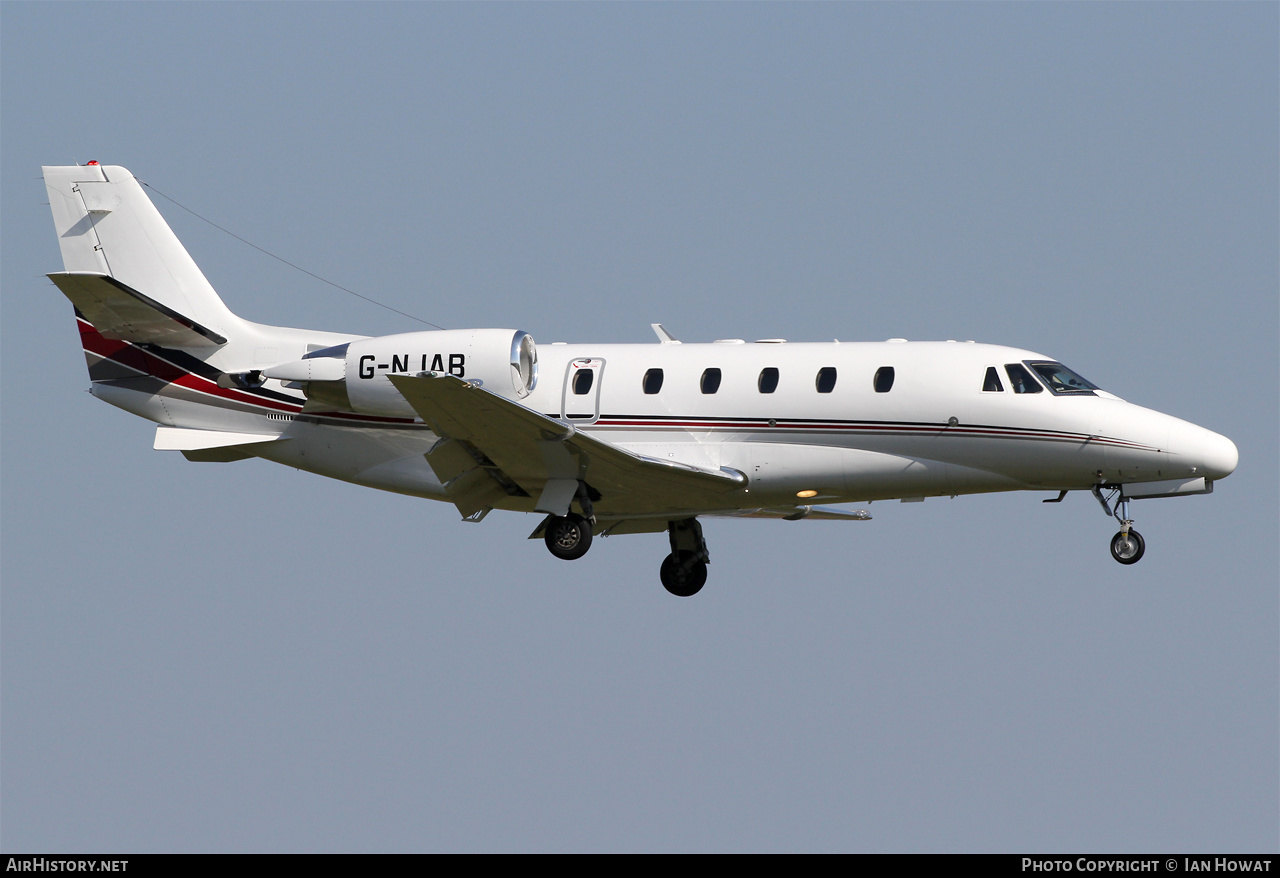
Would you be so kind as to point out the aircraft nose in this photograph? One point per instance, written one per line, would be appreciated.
(1209, 454)
(1220, 456)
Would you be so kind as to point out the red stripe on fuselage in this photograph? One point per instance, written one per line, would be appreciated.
(122, 352)
(814, 426)
(130, 355)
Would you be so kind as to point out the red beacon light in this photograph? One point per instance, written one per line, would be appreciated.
(93, 162)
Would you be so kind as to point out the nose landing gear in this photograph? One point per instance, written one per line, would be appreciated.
(1127, 546)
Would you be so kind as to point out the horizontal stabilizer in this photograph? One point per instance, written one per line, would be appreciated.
(122, 313)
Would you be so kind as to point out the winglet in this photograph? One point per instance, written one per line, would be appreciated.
(664, 336)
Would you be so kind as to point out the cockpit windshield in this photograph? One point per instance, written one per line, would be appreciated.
(1062, 380)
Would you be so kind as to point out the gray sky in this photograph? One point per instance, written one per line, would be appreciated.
(241, 657)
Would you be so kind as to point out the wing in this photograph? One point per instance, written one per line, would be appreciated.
(492, 448)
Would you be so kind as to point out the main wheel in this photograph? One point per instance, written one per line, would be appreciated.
(683, 574)
(1128, 548)
(568, 536)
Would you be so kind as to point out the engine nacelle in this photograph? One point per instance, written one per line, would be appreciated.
(353, 376)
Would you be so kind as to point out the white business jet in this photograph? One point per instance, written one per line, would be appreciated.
(601, 439)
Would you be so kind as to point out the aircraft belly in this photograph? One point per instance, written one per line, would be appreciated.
(881, 468)
(1028, 461)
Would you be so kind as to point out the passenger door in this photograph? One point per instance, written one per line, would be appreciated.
(581, 397)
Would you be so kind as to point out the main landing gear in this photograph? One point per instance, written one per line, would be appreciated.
(1127, 546)
(568, 537)
(683, 572)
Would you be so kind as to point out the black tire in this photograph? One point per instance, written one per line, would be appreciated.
(1128, 550)
(568, 537)
(683, 575)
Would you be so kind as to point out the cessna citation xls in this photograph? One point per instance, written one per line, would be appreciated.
(601, 439)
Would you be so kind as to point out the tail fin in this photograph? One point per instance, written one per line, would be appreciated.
(108, 228)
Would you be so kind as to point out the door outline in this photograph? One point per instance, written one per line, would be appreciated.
(582, 408)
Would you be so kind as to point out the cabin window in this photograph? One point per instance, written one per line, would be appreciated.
(1062, 380)
(710, 381)
(991, 384)
(1020, 379)
(768, 382)
(883, 380)
(826, 381)
(652, 381)
(582, 381)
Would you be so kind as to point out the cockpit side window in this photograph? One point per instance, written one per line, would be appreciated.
(1020, 379)
(991, 384)
(1061, 380)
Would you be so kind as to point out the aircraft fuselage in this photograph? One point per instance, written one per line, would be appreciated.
(601, 438)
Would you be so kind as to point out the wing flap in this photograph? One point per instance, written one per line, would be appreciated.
(121, 313)
(470, 479)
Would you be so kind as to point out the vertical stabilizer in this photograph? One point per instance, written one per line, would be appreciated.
(106, 224)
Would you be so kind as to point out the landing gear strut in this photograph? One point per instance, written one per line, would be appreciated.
(684, 571)
(1127, 546)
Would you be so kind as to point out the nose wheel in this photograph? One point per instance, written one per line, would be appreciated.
(1127, 546)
